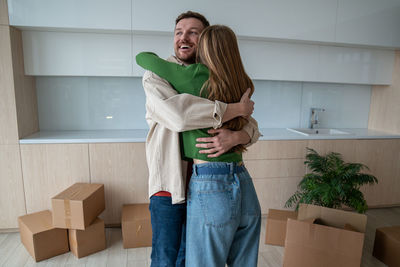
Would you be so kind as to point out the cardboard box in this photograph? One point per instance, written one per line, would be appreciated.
(322, 238)
(387, 245)
(88, 241)
(275, 233)
(78, 206)
(136, 226)
(40, 238)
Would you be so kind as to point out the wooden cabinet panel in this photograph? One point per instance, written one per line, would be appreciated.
(382, 156)
(8, 115)
(3, 12)
(274, 192)
(260, 169)
(49, 169)
(276, 168)
(12, 201)
(122, 168)
(277, 179)
(24, 88)
(276, 150)
(345, 147)
(385, 108)
(383, 159)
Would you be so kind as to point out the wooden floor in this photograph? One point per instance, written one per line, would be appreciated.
(13, 253)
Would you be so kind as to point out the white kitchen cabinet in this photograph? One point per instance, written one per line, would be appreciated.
(161, 44)
(267, 60)
(312, 20)
(86, 14)
(77, 54)
(368, 22)
(355, 65)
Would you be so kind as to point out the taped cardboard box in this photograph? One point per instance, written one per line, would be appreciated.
(276, 226)
(324, 237)
(136, 226)
(88, 241)
(387, 245)
(78, 206)
(40, 238)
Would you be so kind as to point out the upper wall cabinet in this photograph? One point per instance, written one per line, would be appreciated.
(267, 60)
(369, 22)
(87, 14)
(77, 53)
(291, 19)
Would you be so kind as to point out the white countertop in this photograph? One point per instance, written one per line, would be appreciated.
(139, 135)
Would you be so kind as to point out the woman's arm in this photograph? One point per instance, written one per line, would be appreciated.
(180, 77)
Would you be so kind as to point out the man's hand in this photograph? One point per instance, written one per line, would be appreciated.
(247, 104)
(217, 145)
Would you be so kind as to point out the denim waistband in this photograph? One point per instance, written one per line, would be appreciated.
(217, 168)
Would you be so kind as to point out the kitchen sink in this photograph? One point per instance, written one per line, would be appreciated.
(307, 131)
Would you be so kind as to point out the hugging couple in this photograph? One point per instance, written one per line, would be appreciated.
(204, 208)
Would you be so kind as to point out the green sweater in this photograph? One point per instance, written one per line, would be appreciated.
(189, 80)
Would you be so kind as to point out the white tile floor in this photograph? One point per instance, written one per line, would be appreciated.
(13, 253)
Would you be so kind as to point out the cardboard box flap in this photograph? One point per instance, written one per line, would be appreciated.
(281, 214)
(78, 191)
(333, 217)
(387, 245)
(135, 212)
(314, 245)
(392, 232)
(38, 222)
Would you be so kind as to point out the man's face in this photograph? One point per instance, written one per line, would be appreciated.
(186, 37)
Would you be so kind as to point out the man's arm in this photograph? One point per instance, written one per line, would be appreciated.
(183, 112)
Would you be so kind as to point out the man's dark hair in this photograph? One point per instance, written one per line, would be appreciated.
(191, 14)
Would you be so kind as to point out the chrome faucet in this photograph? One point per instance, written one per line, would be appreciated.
(314, 116)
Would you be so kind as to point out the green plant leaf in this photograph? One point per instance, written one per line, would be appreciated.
(332, 182)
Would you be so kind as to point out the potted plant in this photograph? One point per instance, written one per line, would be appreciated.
(332, 183)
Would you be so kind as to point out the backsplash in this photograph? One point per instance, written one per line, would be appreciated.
(94, 103)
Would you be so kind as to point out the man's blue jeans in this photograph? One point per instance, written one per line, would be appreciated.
(223, 217)
(169, 232)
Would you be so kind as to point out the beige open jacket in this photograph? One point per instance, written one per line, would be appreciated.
(167, 114)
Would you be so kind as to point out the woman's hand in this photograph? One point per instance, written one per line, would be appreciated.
(244, 108)
(247, 105)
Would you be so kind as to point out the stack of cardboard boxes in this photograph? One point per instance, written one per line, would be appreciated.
(72, 225)
(318, 236)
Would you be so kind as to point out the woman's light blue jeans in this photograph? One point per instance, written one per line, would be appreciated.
(223, 217)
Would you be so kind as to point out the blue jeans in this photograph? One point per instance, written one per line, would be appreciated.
(223, 217)
(168, 224)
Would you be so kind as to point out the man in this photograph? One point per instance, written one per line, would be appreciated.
(168, 113)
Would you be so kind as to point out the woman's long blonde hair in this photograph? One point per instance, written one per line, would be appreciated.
(218, 50)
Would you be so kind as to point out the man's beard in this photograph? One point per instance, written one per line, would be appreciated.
(189, 60)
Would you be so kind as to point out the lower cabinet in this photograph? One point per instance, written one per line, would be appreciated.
(12, 201)
(33, 174)
(48, 169)
(278, 166)
(122, 168)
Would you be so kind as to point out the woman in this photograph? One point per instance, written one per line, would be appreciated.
(223, 213)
